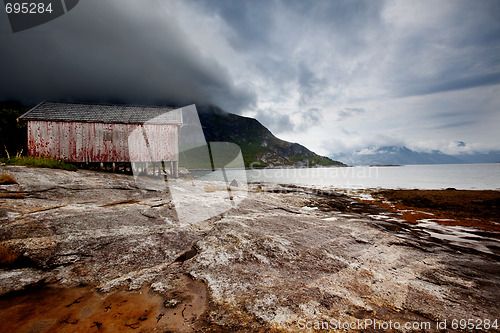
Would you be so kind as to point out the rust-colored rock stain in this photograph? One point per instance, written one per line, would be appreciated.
(477, 209)
(83, 309)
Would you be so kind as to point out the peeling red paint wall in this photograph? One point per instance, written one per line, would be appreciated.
(99, 142)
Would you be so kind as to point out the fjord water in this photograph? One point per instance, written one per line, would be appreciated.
(435, 176)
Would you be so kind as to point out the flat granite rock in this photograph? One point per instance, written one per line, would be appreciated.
(282, 258)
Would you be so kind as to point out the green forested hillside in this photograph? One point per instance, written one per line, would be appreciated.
(259, 146)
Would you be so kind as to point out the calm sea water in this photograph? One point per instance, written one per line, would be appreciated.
(437, 176)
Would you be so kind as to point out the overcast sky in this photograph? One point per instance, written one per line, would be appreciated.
(332, 75)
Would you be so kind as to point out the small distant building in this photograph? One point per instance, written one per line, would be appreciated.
(79, 132)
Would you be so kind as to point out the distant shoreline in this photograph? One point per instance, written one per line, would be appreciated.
(385, 165)
(275, 167)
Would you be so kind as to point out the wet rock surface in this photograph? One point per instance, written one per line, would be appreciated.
(284, 255)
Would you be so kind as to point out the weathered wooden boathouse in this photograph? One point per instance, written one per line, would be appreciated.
(99, 133)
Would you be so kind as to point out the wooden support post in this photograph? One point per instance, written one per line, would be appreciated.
(101, 166)
(113, 167)
(162, 168)
(176, 169)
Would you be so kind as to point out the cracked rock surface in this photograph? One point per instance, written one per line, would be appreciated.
(283, 255)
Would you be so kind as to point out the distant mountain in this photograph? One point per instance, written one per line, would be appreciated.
(258, 145)
(260, 148)
(393, 155)
(491, 157)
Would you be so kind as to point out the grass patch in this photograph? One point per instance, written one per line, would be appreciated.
(6, 179)
(211, 188)
(39, 162)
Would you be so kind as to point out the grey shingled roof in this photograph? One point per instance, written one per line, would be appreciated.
(104, 113)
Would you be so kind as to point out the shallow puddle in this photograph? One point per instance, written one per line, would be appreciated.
(82, 309)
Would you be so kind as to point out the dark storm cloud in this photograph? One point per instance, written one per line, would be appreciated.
(281, 123)
(479, 22)
(274, 36)
(272, 119)
(308, 118)
(309, 85)
(460, 51)
(456, 124)
(113, 51)
(251, 21)
(453, 83)
(312, 115)
(345, 22)
(349, 113)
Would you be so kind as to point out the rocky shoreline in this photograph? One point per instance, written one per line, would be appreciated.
(86, 251)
